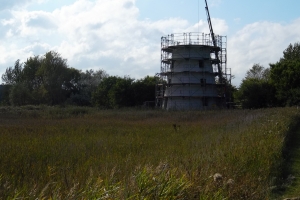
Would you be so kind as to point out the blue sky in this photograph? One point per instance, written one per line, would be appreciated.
(122, 37)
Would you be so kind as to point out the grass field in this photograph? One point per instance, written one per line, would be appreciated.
(292, 166)
(81, 153)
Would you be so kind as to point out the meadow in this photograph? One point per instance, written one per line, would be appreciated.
(85, 153)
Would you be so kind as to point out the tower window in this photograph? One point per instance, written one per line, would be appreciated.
(202, 81)
(201, 64)
(204, 101)
(172, 64)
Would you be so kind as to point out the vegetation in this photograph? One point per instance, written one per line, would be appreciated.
(82, 153)
(256, 90)
(116, 92)
(87, 84)
(4, 94)
(48, 80)
(275, 86)
(292, 165)
(284, 75)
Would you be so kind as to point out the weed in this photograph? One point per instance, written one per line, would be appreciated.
(80, 153)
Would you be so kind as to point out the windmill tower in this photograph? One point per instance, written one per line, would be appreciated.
(193, 72)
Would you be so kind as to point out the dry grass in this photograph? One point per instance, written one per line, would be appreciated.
(80, 153)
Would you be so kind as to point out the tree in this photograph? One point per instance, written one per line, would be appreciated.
(4, 94)
(292, 52)
(258, 72)
(256, 91)
(58, 81)
(144, 90)
(32, 80)
(19, 95)
(116, 92)
(230, 94)
(13, 75)
(285, 76)
(46, 79)
(30, 76)
(87, 84)
(121, 93)
(100, 97)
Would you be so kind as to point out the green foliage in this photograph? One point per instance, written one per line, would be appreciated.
(4, 94)
(230, 93)
(144, 90)
(46, 80)
(30, 76)
(258, 72)
(256, 91)
(121, 93)
(116, 92)
(277, 86)
(19, 95)
(57, 79)
(13, 75)
(285, 77)
(292, 52)
(87, 84)
(100, 97)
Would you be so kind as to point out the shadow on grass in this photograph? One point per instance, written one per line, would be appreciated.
(42, 111)
(290, 154)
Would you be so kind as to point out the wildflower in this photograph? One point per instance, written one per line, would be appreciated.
(217, 177)
(290, 179)
(230, 182)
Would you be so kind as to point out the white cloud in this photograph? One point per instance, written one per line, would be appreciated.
(219, 26)
(17, 4)
(215, 3)
(260, 42)
(237, 20)
(108, 35)
(91, 34)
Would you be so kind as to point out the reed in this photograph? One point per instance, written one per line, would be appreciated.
(60, 153)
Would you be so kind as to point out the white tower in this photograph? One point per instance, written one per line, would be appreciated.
(189, 74)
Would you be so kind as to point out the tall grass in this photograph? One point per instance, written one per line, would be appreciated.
(81, 153)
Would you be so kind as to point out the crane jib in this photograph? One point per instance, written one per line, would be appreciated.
(214, 41)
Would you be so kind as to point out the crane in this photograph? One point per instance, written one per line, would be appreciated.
(214, 43)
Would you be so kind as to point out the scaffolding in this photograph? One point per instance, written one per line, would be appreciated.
(189, 77)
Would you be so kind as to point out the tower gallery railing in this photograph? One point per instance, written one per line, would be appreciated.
(192, 39)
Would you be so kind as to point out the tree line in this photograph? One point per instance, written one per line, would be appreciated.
(278, 85)
(49, 80)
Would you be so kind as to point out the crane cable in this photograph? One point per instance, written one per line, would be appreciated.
(198, 19)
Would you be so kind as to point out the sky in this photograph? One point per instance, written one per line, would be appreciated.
(123, 37)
